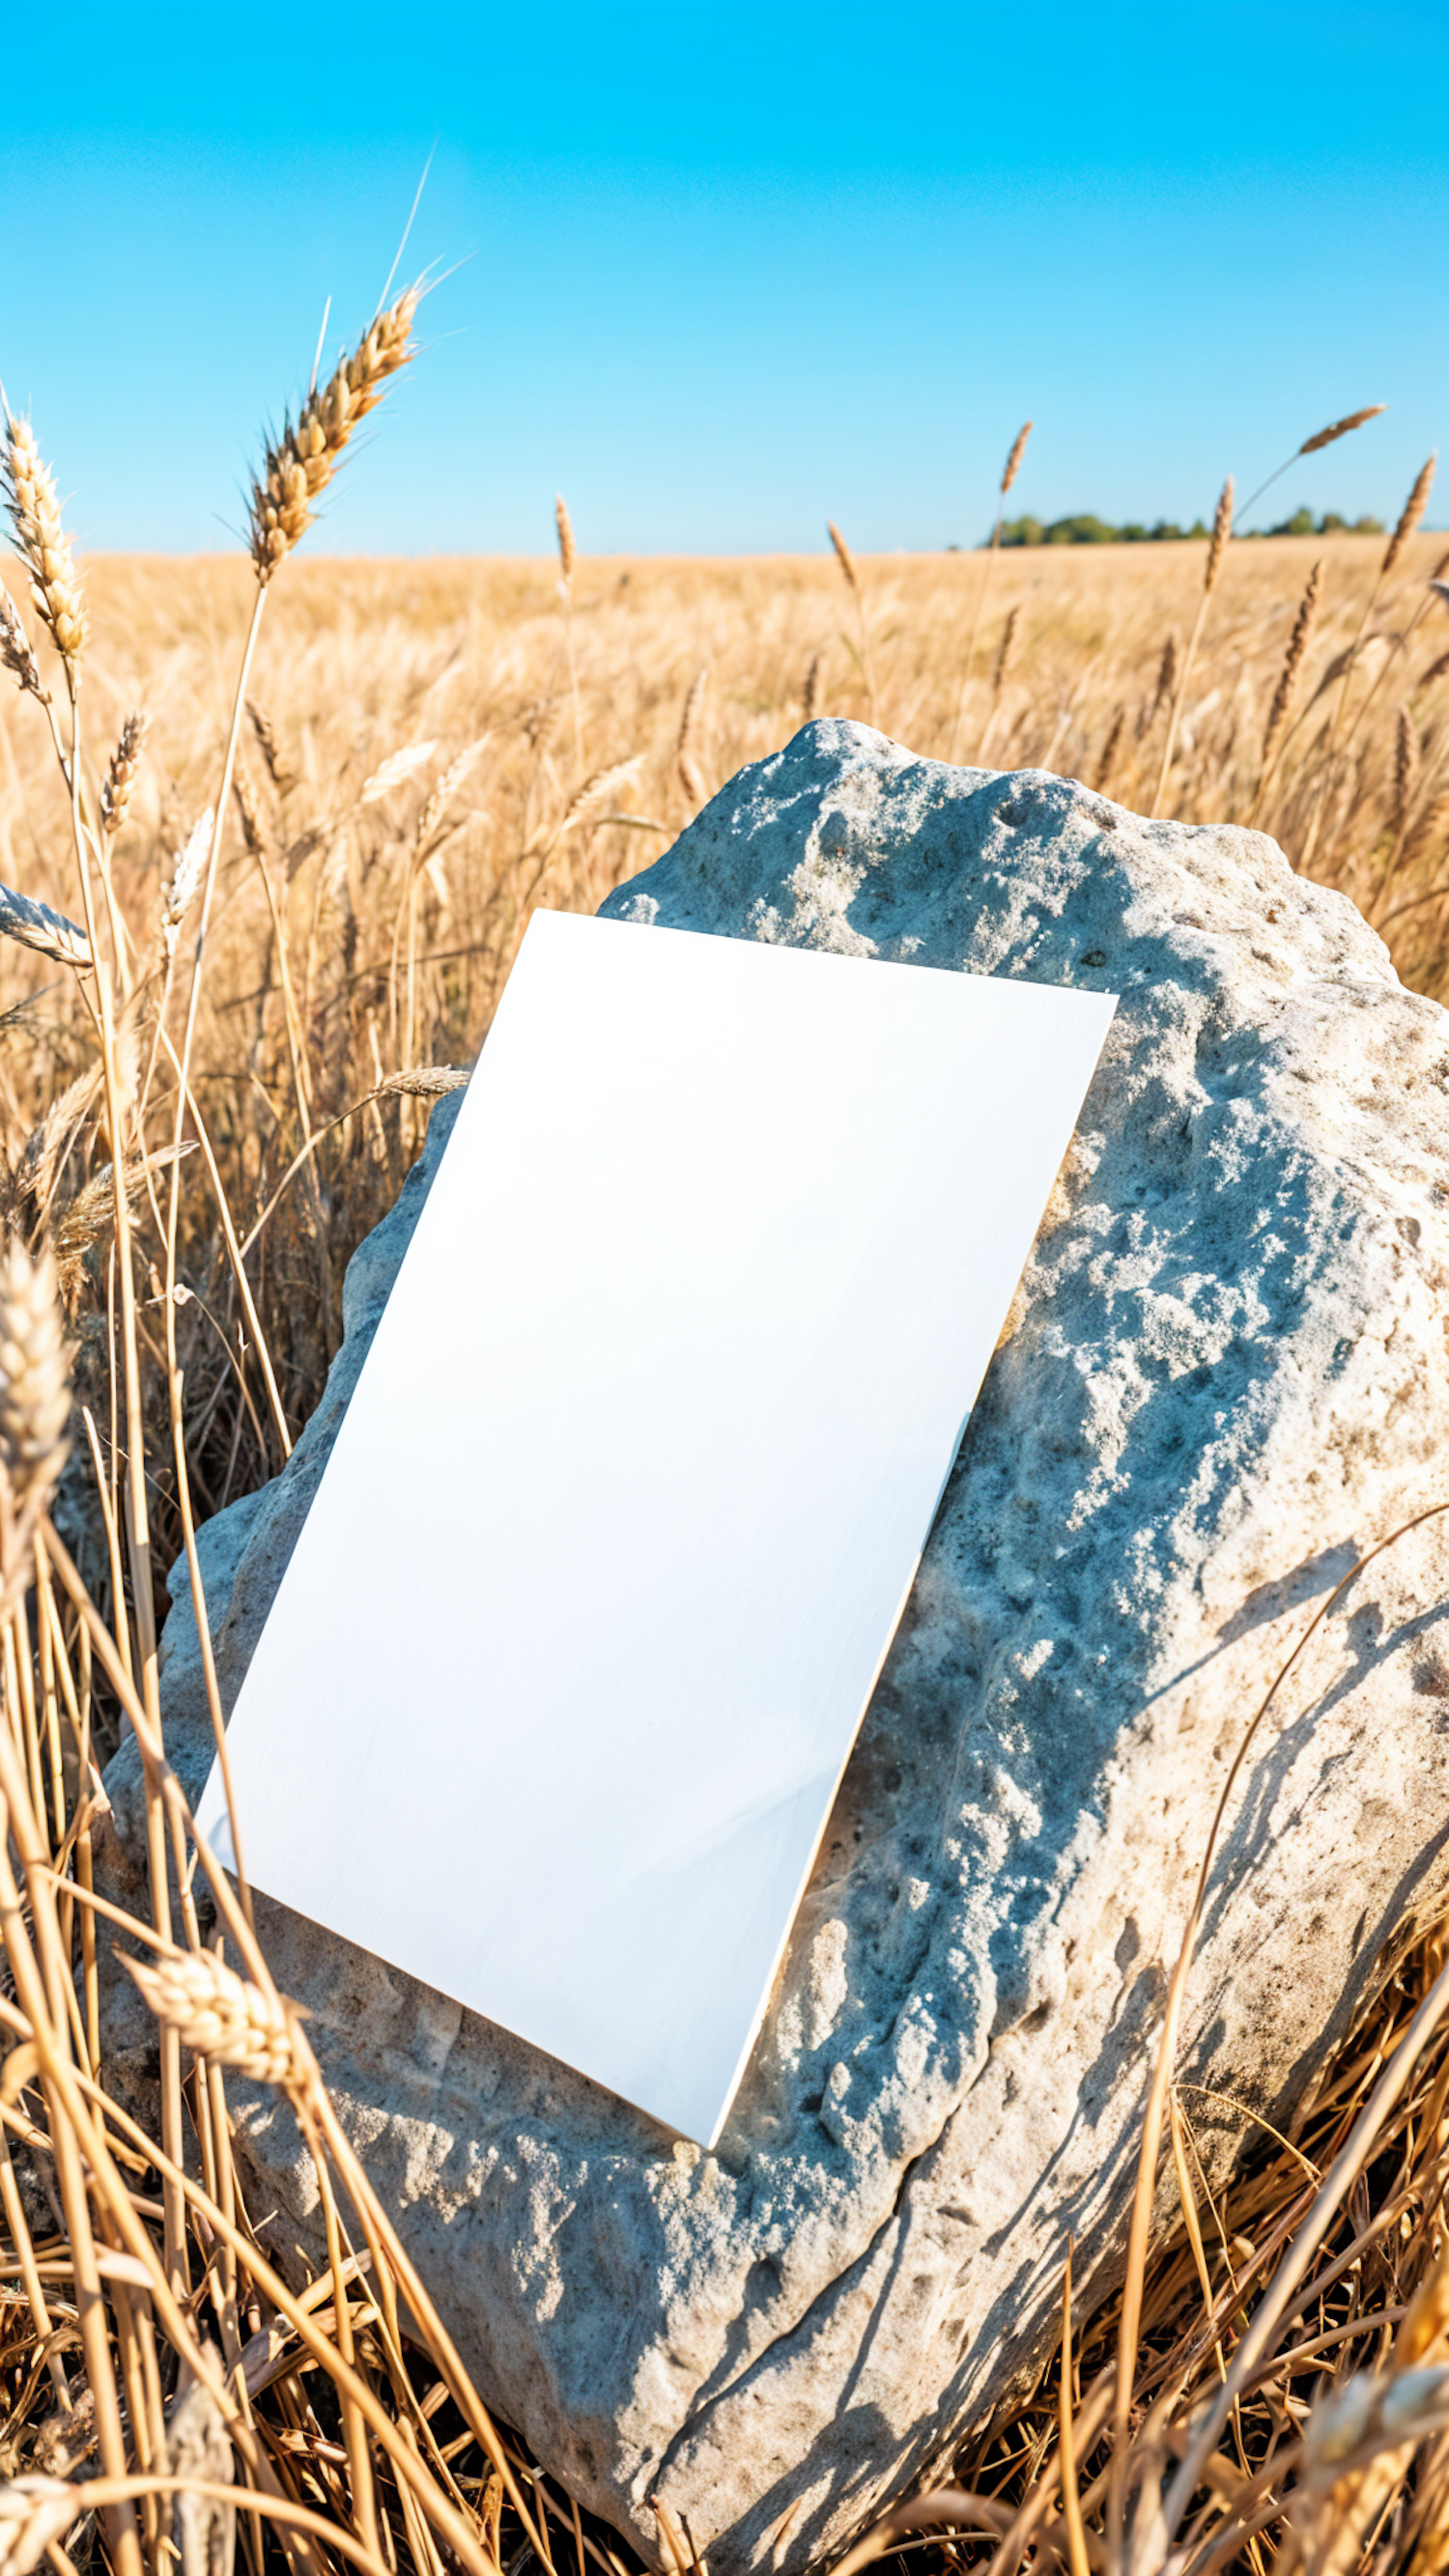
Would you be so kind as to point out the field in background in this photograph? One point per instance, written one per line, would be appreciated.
(436, 748)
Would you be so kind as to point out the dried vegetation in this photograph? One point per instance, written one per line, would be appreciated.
(302, 856)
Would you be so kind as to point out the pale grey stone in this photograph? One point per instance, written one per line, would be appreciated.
(1224, 1376)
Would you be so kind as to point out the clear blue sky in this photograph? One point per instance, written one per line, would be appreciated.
(725, 272)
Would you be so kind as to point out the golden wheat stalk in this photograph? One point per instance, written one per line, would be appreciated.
(1409, 517)
(222, 2016)
(17, 653)
(1292, 662)
(35, 1357)
(298, 466)
(810, 689)
(121, 770)
(41, 543)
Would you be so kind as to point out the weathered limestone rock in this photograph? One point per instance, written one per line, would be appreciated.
(1224, 1377)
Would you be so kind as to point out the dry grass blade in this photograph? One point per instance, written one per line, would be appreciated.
(223, 2016)
(42, 544)
(17, 653)
(121, 771)
(299, 465)
(37, 927)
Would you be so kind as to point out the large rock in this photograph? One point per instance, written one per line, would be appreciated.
(1223, 1377)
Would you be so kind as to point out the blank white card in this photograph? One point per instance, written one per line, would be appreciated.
(557, 1689)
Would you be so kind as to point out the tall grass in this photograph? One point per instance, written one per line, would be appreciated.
(256, 913)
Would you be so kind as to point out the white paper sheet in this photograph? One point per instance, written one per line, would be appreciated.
(559, 1684)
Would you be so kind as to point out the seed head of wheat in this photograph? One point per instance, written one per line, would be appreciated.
(846, 558)
(221, 2015)
(1222, 530)
(1292, 659)
(810, 692)
(35, 1360)
(1013, 462)
(189, 869)
(283, 776)
(390, 773)
(1340, 428)
(568, 553)
(1409, 517)
(421, 1082)
(298, 466)
(596, 792)
(17, 653)
(121, 769)
(36, 926)
(44, 548)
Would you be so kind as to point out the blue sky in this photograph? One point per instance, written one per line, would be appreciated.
(718, 275)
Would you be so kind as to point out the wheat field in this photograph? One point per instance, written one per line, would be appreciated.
(248, 932)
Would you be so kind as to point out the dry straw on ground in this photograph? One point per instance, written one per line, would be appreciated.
(210, 1090)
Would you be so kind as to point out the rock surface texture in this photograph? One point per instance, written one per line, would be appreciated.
(1223, 1378)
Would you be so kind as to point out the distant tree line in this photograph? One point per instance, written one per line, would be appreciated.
(1087, 530)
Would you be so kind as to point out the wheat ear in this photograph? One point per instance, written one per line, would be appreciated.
(810, 689)
(1310, 447)
(298, 466)
(42, 544)
(568, 553)
(1013, 462)
(36, 926)
(121, 769)
(1409, 517)
(1292, 665)
(221, 2015)
(282, 775)
(17, 653)
(1110, 749)
(1009, 474)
